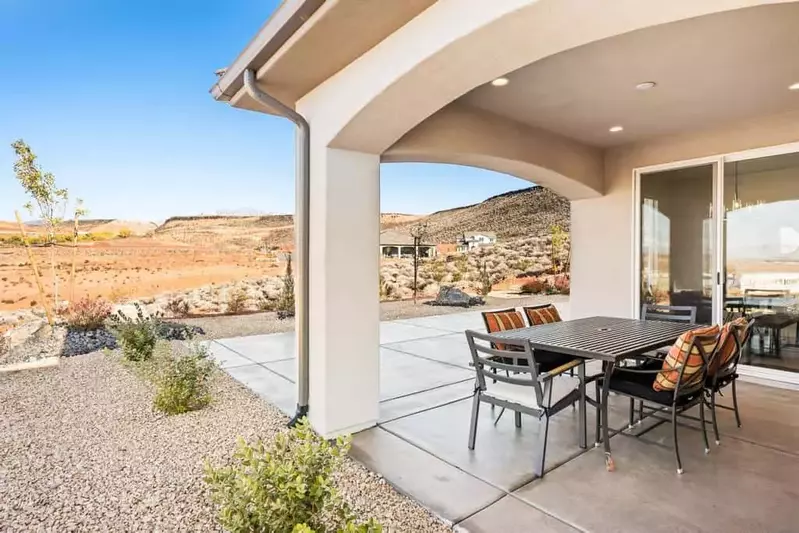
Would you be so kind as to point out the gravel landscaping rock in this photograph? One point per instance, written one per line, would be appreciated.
(81, 449)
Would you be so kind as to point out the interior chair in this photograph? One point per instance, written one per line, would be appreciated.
(524, 387)
(669, 386)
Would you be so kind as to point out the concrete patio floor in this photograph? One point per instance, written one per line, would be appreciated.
(746, 484)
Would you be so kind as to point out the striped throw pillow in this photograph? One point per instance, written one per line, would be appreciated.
(685, 353)
(542, 315)
(727, 344)
(497, 321)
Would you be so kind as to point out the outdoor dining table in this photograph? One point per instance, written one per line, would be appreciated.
(606, 339)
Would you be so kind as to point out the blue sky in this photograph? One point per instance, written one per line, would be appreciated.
(113, 97)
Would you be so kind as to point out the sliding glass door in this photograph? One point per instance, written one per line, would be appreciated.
(722, 235)
(677, 238)
(761, 254)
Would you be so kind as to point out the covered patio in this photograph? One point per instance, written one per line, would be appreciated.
(419, 446)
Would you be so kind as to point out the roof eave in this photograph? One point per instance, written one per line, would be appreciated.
(284, 22)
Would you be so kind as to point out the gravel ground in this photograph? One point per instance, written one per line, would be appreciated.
(221, 327)
(82, 450)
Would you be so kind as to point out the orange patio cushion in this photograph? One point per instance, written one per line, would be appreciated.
(685, 353)
(502, 321)
(727, 344)
(542, 315)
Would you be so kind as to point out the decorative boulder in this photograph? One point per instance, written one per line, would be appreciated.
(454, 297)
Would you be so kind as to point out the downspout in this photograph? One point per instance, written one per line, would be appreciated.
(302, 227)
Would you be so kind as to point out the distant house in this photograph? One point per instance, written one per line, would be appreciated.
(476, 239)
(399, 244)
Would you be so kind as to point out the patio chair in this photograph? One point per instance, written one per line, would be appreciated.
(523, 388)
(666, 313)
(723, 370)
(673, 385)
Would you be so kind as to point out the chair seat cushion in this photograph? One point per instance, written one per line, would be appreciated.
(640, 385)
(515, 394)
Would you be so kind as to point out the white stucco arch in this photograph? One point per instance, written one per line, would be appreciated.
(457, 45)
(464, 135)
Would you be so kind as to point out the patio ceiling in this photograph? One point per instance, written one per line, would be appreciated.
(709, 71)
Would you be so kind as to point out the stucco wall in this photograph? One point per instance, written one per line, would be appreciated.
(602, 228)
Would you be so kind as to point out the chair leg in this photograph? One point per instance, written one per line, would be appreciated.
(538, 468)
(640, 411)
(631, 422)
(597, 438)
(517, 417)
(473, 427)
(735, 403)
(704, 424)
(674, 436)
(542, 446)
(713, 415)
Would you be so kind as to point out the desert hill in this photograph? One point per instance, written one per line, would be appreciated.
(90, 225)
(523, 213)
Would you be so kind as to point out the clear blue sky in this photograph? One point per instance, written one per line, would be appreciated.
(79, 85)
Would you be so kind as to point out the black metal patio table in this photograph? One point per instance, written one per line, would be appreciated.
(606, 339)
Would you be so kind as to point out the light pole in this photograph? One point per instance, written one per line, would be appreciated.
(418, 233)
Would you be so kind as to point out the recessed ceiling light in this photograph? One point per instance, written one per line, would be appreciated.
(794, 87)
(616, 129)
(645, 86)
(500, 82)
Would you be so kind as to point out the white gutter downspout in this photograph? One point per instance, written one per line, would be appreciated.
(301, 226)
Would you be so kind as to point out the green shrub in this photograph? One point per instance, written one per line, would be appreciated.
(183, 381)
(534, 286)
(236, 301)
(177, 306)
(284, 486)
(485, 279)
(136, 336)
(87, 313)
(285, 302)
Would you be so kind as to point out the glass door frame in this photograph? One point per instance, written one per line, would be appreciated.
(718, 161)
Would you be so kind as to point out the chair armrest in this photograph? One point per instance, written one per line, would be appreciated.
(560, 370)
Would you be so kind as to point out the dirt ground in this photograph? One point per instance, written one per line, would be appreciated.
(126, 268)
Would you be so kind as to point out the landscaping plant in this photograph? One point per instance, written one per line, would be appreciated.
(285, 302)
(284, 486)
(183, 381)
(236, 301)
(50, 201)
(137, 336)
(87, 313)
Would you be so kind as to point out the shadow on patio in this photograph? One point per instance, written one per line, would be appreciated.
(746, 484)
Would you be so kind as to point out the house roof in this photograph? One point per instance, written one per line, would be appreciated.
(285, 51)
(490, 234)
(398, 238)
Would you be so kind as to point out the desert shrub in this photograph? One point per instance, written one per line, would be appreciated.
(485, 279)
(183, 381)
(177, 306)
(285, 485)
(138, 335)
(534, 286)
(236, 301)
(87, 313)
(285, 302)
(124, 233)
(266, 304)
(457, 276)
(562, 284)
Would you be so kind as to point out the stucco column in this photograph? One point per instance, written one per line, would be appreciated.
(344, 302)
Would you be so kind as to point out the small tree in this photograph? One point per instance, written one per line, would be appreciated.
(46, 198)
(80, 211)
(285, 302)
(558, 252)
